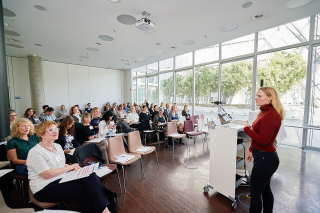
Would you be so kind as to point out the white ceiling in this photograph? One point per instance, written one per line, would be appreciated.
(68, 27)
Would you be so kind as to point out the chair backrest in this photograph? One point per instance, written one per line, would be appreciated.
(201, 116)
(92, 159)
(115, 147)
(182, 119)
(201, 125)
(171, 128)
(134, 141)
(193, 119)
(188, 126)
(145, 125)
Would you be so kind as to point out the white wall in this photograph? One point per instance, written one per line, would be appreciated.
(66, 84)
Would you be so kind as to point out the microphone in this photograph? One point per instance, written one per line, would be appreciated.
(218, 102)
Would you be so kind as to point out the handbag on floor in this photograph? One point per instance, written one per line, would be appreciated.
(113, 199)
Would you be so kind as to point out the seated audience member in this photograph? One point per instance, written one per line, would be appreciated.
(166, 111)
(133, 118)
(46, 164)
(95, 118)
(144, 115)
(74, 112)
(23, 139)
(177, 109)
(125, 108)
(114, 108)
(146, 103)
(114, 117)
(44, 108)
(140, 110)
(107, 104)
(88, 109)
(66, 138)
(121, 116)
(13, 117)
(173, 116)
(128, 106)
(185, 112)
(162, 105)
(156, 124)
(151, 110)
(63, 112)
(156, 111)
(80, 111)
(106, 125)
(30, 113)
(48, 116)
(85, 132)
(136, 107)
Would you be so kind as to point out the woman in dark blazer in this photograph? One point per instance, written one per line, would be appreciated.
(67, 138)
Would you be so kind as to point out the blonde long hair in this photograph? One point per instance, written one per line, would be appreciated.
(17, 123)
(276, 103)
(93, 110)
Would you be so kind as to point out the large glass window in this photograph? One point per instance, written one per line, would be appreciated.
(317, 27)
(207, 86)
(152, 68)
(236, 88)
(153, 89)
(239, 46)
(286, 71)
(207, 54)
(141, 71)
(284, 35)
(184, 90)
(166, 65)
(166, 88)
(141, 89)
(314, 118)
(184, 60)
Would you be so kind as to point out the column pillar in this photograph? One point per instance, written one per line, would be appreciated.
(36, 83)
(4, 95)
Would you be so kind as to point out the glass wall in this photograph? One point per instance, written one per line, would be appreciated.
(235, 75)
(236, 88)
(184, 82)
(284, 35)
(153, 89)
(207, 89)
(166, 87)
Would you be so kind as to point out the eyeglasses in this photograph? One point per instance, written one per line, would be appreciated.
(52, 130)
(13, 115)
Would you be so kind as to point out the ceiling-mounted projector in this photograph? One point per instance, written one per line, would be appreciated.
(145, 24)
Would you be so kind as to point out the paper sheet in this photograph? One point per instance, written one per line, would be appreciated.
(80, 173)
(124, 158)
(72, 151)
(96, 140)
(5, 171)
(103, 171)
(174, 135)
(144, 149)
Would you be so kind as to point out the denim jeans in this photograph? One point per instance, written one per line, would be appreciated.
(264, 165)
(22, 169)
(125, 126)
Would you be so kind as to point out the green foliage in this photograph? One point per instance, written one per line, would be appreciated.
(283, 71)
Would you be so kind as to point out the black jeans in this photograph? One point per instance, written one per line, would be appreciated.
(264, 165)
(94, 198)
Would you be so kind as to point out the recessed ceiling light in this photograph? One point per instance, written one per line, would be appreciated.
(80, 59)
(158, 43)
(135, 61)
(122, 60)
(296, 3)
(39, 7)
(83, 57)
(247, 5)
(92, 49)
(8, 13)
(172, 48)
(14, 45)
(260, 16)
(11, 33)
(228, 27)
(99, 44)
(38, 45)
(126, 19)
(105, 37)
(141, 59)
(160, 52)
(187, 42)
(115, 1)
(13, 40)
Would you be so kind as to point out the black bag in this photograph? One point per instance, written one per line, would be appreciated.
(113, 199)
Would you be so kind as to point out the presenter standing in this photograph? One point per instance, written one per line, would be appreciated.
(266, 161)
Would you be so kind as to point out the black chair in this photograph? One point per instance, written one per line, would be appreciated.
(146, 130)
(88, 150)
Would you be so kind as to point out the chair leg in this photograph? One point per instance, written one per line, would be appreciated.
(119, 180)
(142, 170)
(15, 184)
(23, 201)
(145, 139)
(157, 157)
(173, 145)
(124, 180)
(202, 141)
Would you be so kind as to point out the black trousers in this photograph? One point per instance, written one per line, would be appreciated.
(6, 182)
(94, 198)
(265, 164)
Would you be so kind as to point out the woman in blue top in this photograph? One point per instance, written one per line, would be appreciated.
(95, 118)
(173, 116)
(23, 139)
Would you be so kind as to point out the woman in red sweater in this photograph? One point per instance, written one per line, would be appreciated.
(266, 161)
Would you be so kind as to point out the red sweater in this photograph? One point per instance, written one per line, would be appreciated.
(264, 129)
